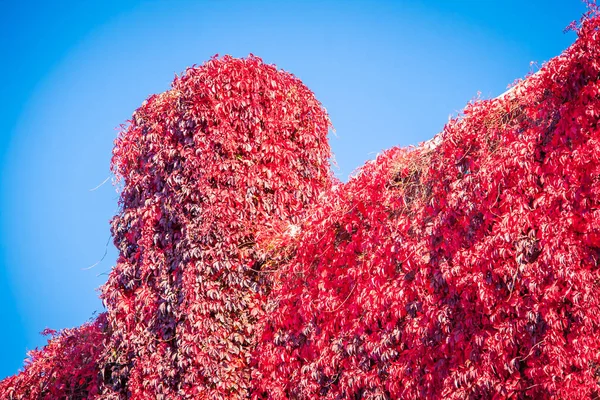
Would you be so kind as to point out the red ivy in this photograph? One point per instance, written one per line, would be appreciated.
(464, 268)
(234, 150)
(66, 368)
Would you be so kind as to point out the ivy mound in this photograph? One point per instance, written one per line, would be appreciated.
(467, 267)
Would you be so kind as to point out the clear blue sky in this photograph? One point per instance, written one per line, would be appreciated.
(390, 73)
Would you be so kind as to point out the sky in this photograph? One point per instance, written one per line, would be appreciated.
(390, 73)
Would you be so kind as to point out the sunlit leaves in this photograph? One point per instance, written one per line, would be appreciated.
(463, 268)
(233, 150)
(466, 270)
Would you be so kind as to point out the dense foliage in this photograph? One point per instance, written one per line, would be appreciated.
(235, 150)
(66, 368)
(465, 268)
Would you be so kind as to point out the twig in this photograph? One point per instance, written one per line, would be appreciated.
(514, 281)
(103, 182)
(102, 259)
(343, 302)
(532, 348)
(466, 152)
(263, 271)
(495, 202)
